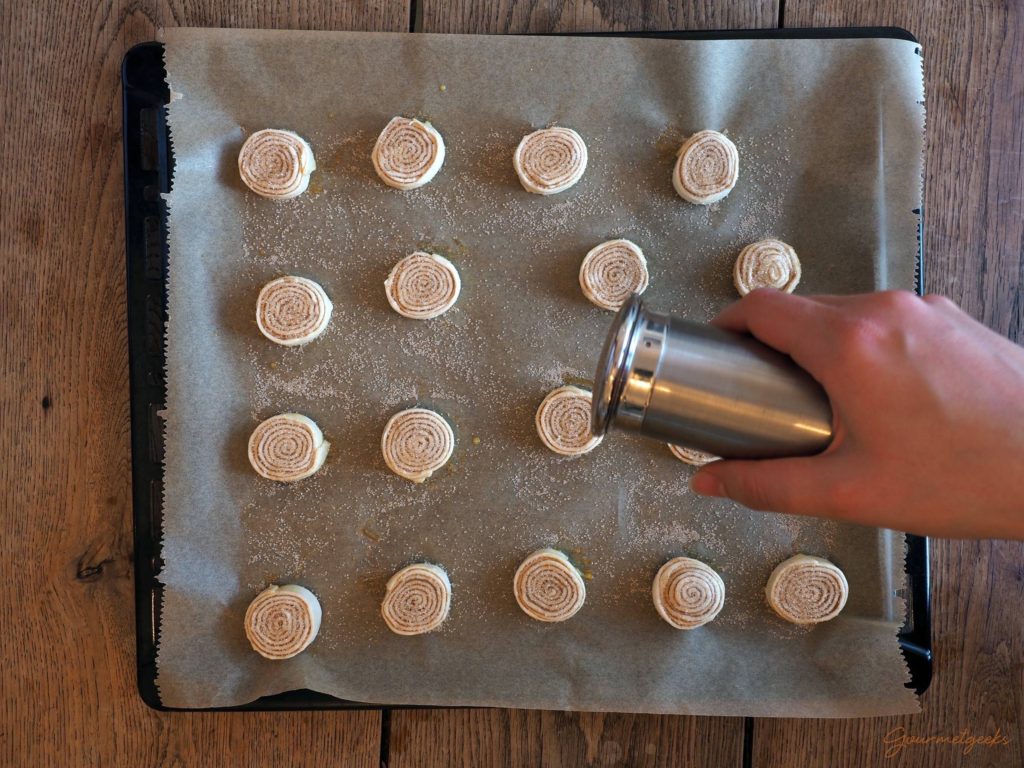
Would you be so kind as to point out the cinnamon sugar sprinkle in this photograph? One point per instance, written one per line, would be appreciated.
(520, 327)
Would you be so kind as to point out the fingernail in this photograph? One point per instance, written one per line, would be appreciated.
(706, 484)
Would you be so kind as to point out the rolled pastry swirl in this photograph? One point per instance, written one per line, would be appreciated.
(687, 593)
(417, 599)
(276, 164)
(707, 168)
(423, 285)
(563, 421)
(282, 621)
(550, 160)
(807, 590)
(292, 310)
(692, 455)
(416, 443)
(287, 448)
(548, 587)
(408, 153)
(612, 271)
(766, 264)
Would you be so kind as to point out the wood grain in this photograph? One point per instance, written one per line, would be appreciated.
(67, 680)
(518, 16)
(506, 738)
(974, 246)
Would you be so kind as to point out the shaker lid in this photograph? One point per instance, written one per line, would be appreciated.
(616, 359)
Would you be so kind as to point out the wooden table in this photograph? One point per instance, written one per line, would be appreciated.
(68, 693)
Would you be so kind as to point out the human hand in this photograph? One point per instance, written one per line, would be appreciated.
(928, 411)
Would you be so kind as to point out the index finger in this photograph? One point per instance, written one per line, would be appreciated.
(795, 325)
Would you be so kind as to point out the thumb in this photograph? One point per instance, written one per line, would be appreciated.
(796, 486)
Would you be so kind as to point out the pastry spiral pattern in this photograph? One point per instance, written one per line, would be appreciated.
(706, 168)
(807, 590)
(408, 153)
(287, 448)
(612, 271)
(766, 264)
(563, 421)
(282, 621)
(423, 285)
(276, 164)
(692, 455)
(548, 587)
(416, 599)
(550, 160)
(416, 443)
(687, 593)
(292, 310)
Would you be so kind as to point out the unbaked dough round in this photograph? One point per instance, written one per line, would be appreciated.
(417, 599)
(692, 455)
(687, 593)
(612, 271)
(423, 285)
(282, 621)
(416, 443)
(563, 421)
(550, 160)
(276, 164)
(287, 448)
(766, 264)
(807, 590)
(707, 168)
(548, 587)
(408, 153)
(292, 310)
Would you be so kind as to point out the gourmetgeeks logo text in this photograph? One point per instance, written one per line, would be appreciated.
(898, 739)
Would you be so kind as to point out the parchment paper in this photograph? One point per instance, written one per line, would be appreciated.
(829, 135)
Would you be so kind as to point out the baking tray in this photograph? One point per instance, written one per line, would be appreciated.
(148, 168)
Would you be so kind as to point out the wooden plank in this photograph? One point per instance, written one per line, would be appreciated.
(518, 16)
(506, 738)
(974, 246)
(67, 682)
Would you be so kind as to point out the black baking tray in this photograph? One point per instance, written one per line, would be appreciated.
(148, 168)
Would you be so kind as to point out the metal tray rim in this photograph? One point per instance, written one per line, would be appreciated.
(144, 96)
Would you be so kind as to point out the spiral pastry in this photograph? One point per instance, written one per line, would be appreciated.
(282, 621)
(563, 421)
(550, 160)
(766, 264)
(408, 153)
(422, 286)
(687, 593)
(548, 587)
(707, 168)
(276, 164)
(416, 443)
(292, 310)
(416, 599)
(287, 448)
(612, 271)
(807, 590)
(692, 455)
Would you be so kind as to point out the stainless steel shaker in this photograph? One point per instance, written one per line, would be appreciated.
(706, 388)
